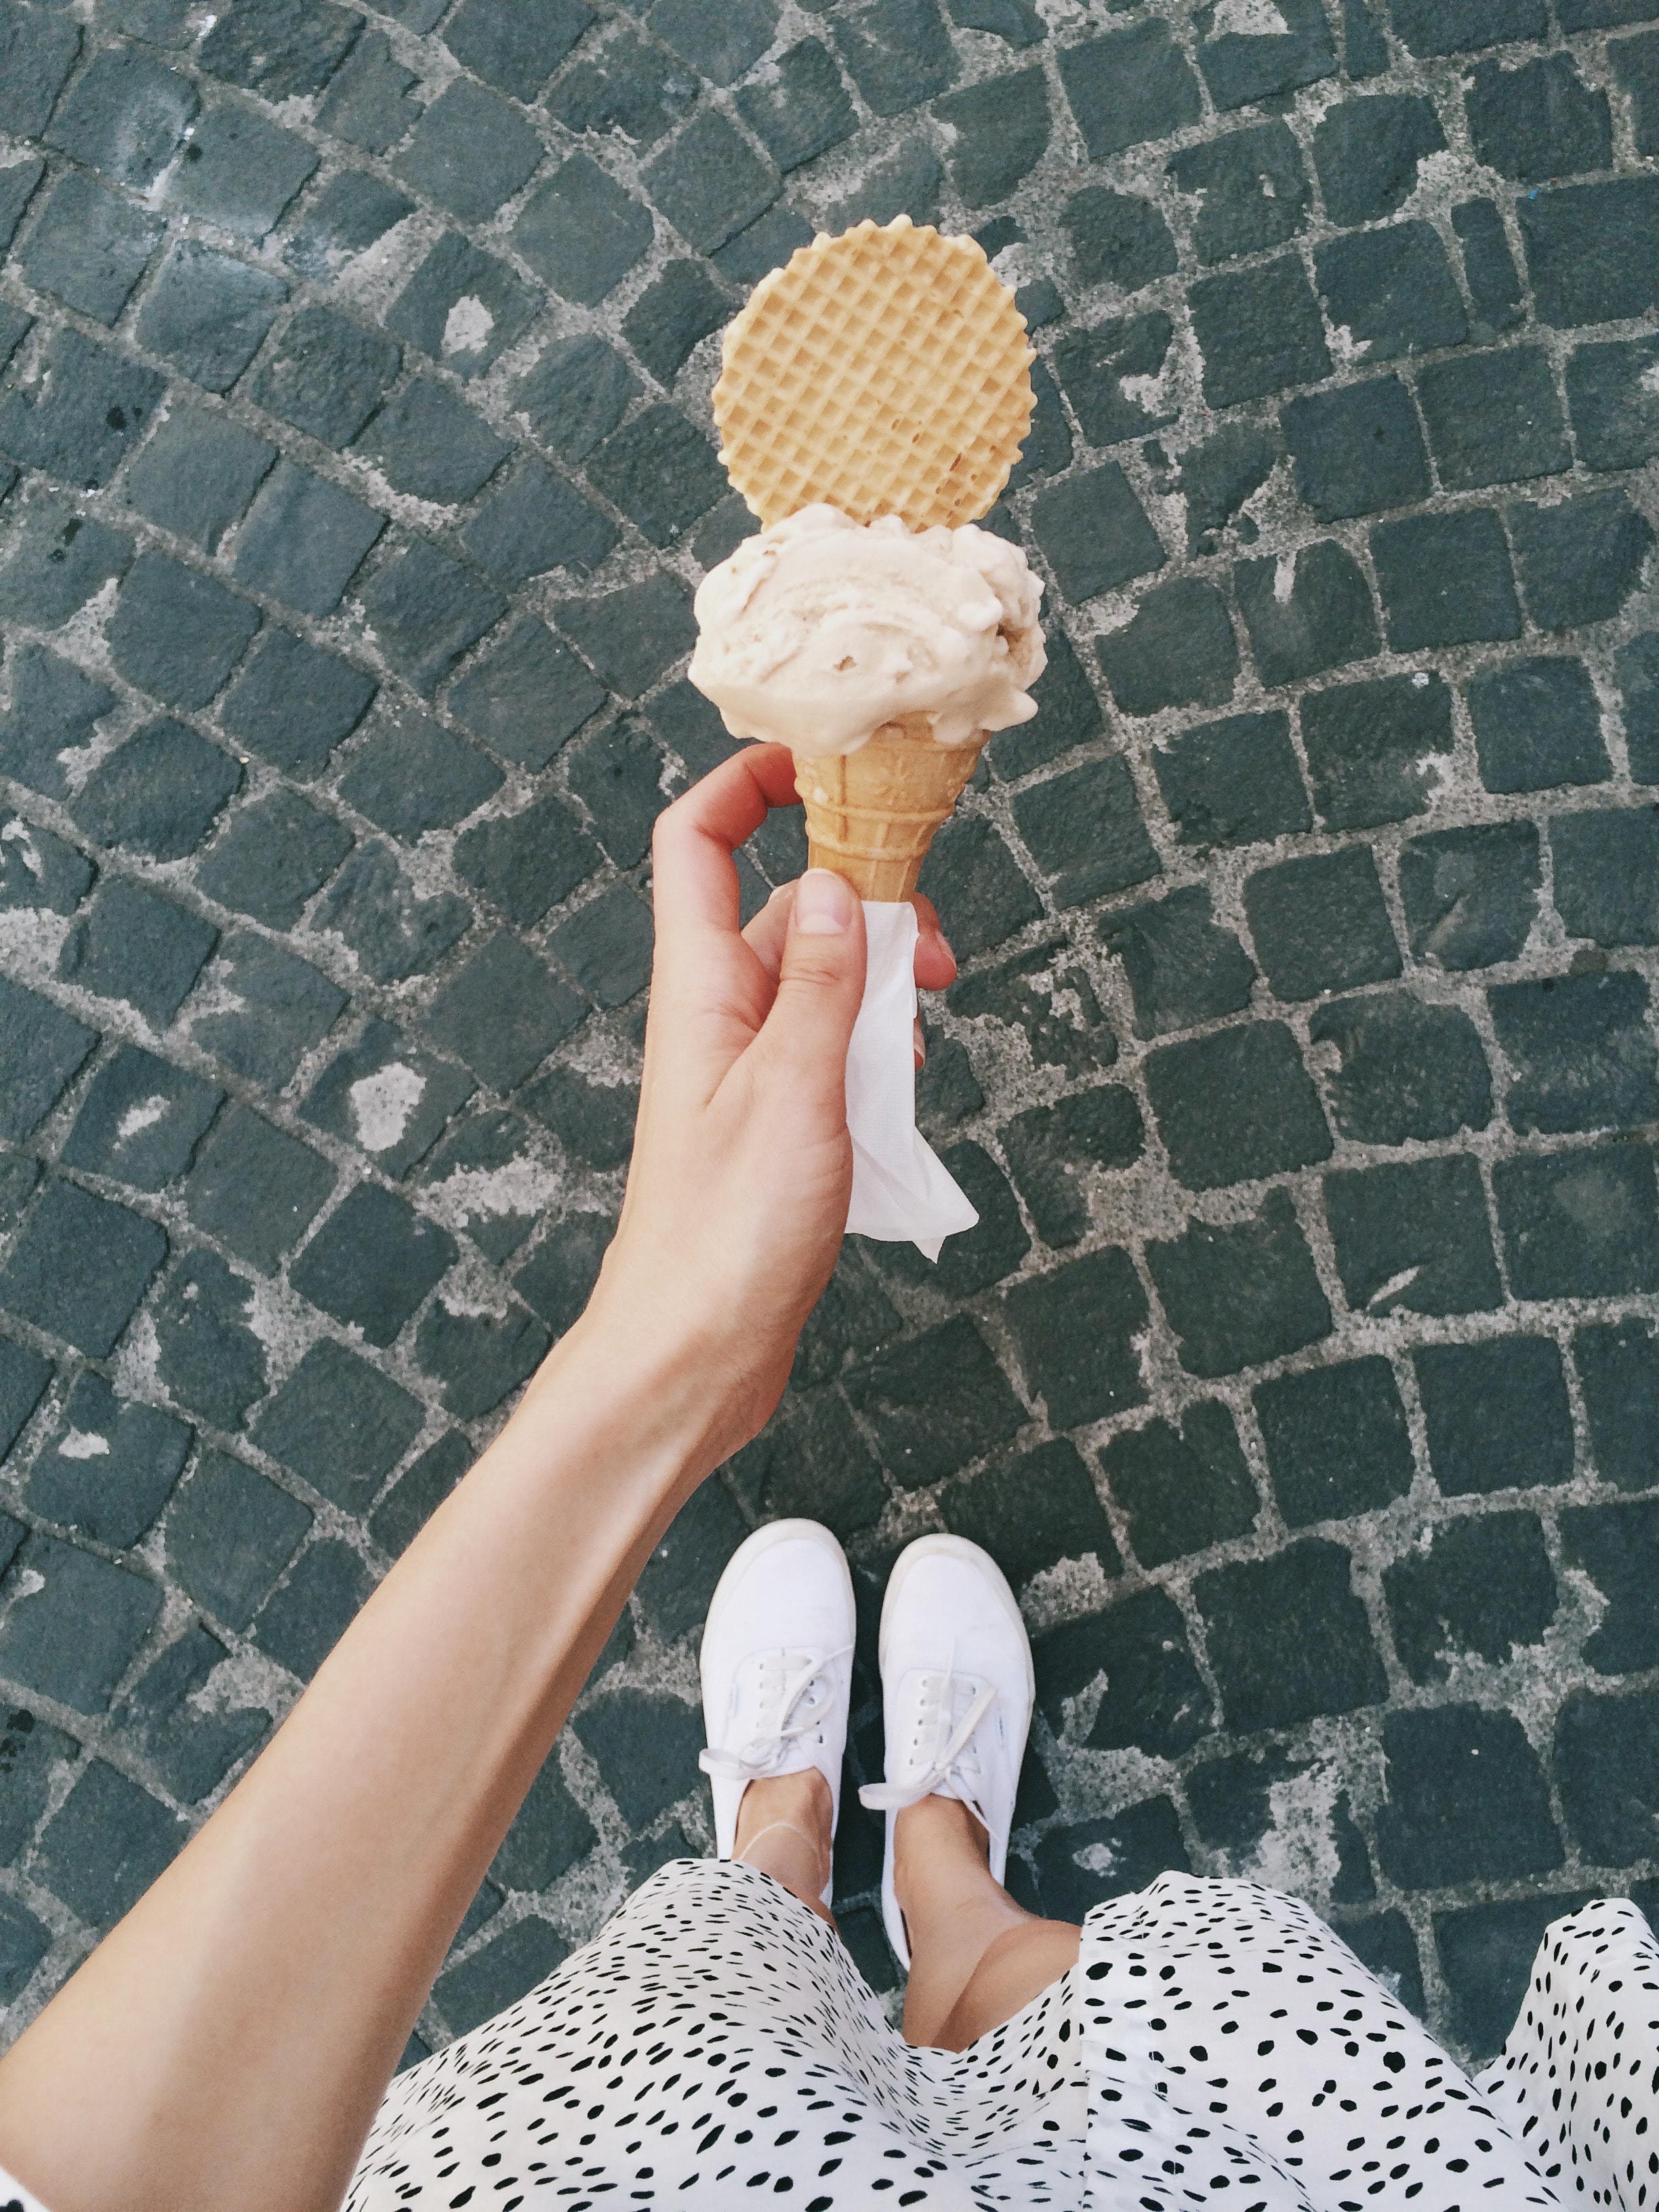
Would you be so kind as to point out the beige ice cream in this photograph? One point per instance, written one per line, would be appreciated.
(821, 631)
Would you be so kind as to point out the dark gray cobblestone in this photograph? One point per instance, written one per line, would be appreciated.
(355, 471)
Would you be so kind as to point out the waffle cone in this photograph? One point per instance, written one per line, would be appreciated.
(884, 371)
(872, 815)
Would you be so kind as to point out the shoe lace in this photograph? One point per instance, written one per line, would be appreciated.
(954, 1769)
(791, 1714)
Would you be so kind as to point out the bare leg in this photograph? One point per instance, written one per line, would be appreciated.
(975, 1956)
(783, 1828)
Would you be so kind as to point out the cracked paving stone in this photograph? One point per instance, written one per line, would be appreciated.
(502, 1012)
(106, 1844)
(463, 306)
(80, 1266)
(208, 1357)
(387, 1097)
(110, 1465)
(1413, 1238)
(1327, 1663)
(340, 1424)
(255, 1188)
(1321, 924)
(140, 1119)
(1055, 1150)
(1183, 1489)
(1236, 1105)
(60, 560)
(1336, 1441)
(1234, 782)
(1618, 1365)
(1480, 1585)
(132, 945)
(45, 1047)
(372, 1262)
(1497, 1413)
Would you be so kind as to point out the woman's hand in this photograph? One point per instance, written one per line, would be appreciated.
(742, 1167)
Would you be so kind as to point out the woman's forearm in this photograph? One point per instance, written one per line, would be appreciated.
(276, 1968)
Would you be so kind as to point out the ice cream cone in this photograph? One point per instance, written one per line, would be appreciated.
(886, 371)
(872, 815)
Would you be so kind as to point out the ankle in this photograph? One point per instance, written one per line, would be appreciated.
(941, 1858)
(799, 1801)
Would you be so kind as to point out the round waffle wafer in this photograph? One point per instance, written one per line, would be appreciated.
(885, 372)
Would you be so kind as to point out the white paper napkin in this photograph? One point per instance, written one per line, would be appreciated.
(901, 1191)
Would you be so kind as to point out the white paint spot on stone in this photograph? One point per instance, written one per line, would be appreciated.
(467, 326)
(1095, 1858)
(520, 1187)
(1285, 578)
(1649, 380)
(1298, 1853)
(145, 1115)
(1069, 1590)
(381, 1104)
(16, 832)
(1421, 681)
(1248, 19)
(1394, 1286)
(246, 1680)
(83, 1443)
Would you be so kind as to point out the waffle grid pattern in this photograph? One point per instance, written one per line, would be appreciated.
(885, 372)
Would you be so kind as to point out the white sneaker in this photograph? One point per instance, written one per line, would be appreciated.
(777, 1668)
(956, 1690)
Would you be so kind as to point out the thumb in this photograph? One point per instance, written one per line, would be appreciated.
(820, 984)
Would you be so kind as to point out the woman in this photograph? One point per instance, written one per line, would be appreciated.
(231, 2041)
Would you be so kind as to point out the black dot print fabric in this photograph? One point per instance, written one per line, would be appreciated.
(1216, 2044)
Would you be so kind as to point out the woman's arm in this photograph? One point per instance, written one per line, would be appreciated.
(228, 2044)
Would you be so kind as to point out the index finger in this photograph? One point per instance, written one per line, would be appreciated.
(694, 883)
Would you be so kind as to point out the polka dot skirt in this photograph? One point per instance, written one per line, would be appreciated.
(1216, 2044)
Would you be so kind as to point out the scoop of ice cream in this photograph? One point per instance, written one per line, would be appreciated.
(821, 631)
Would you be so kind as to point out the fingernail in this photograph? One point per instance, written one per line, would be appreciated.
(823, 904)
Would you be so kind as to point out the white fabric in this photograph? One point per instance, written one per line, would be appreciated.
(1216, 2044)
(901, 1190)
(14, 2197)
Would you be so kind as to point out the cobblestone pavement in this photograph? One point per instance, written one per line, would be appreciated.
(1302, 1372)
